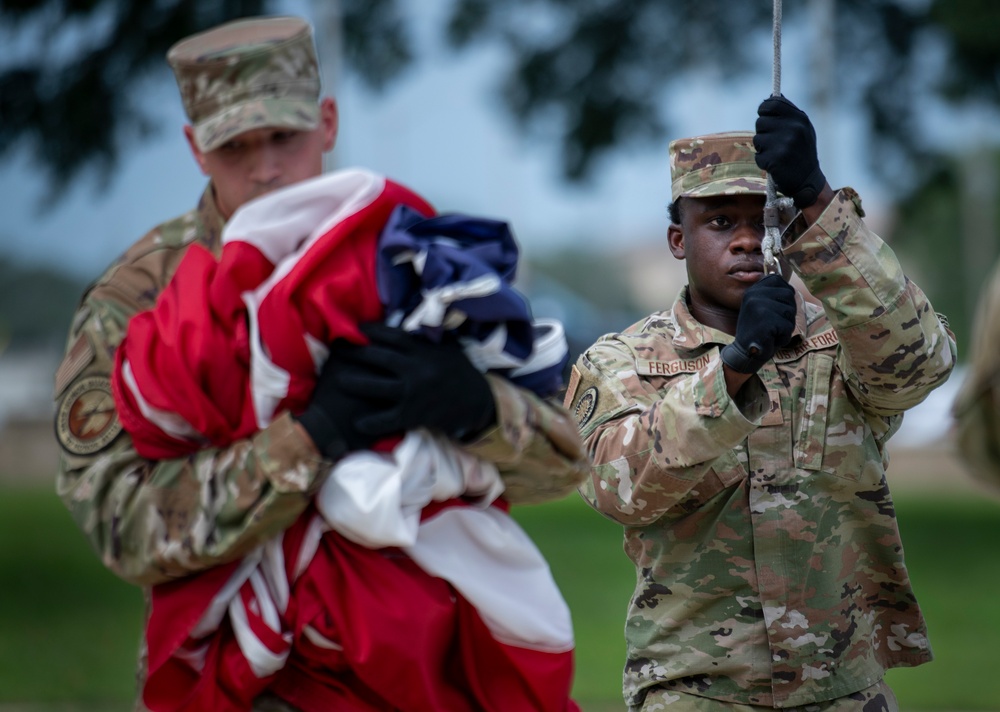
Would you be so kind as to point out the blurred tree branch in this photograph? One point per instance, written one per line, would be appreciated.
(599, 71)
(74, 110)
(603, 70)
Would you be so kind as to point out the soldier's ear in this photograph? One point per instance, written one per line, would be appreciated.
(330, 121)
(675, 240)
(198, 154)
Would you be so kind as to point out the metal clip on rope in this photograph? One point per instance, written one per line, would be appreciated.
(771, 244)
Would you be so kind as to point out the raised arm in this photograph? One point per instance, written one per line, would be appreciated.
(895, 349)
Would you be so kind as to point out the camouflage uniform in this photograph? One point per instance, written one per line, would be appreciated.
(877, 698)
(769, 565)
(150, 521)
(977, 405)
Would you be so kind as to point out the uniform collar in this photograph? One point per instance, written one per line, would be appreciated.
(690, 334)
(211, 220)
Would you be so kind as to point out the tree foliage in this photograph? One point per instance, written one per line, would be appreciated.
(77, 109)
(36, 304)
(599, 71)
(119, 43)
(948, 229)
(604, 69)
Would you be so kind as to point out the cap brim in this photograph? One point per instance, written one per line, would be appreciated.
(725, 186)
(296, 114)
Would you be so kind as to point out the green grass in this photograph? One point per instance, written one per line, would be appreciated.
(584, 551)
(953, 555)
(69, 630)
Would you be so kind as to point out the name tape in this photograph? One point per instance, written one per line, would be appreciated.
(672, 368)
(646, 367)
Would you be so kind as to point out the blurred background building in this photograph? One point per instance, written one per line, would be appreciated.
(552, 115)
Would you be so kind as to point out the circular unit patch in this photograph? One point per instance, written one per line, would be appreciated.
(86, 421)
(585, 406)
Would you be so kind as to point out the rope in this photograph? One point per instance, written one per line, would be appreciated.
(776, 41)
(772, 221)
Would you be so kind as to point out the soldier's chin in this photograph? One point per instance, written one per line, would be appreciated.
(261, 192)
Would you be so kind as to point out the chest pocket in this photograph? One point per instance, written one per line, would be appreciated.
(833, 437)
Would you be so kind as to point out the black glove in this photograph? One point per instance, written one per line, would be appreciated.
(332, 413)
(765, 324)
(786, 148)
(418, 383)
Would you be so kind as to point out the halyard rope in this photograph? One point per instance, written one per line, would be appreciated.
(772, 222)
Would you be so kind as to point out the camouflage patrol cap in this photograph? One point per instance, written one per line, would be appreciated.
(248, 74)
(715, 164)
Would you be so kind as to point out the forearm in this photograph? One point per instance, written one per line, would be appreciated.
(895, 360)
(813, 212)
(534, 444)
(895, 349)
(735, 380)
(153, 521)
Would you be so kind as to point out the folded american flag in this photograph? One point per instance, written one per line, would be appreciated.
(403, 588)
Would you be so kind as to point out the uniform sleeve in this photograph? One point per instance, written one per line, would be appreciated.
(894, 348)
(535, 445)
(655, 451)
(154, 521)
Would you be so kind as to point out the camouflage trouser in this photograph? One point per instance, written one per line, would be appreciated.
(877, 698)
(269, 702)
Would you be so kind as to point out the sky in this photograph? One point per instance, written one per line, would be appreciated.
(441, 131)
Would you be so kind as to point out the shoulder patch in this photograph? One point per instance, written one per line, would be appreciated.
(586, 406)
(76, 359)
(86, 421)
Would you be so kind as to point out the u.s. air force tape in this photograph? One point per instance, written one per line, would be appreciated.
(86, 421)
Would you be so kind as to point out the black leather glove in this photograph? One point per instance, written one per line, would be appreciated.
(330, 418)
(786, 148)
(418, 383)
(765, 324)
